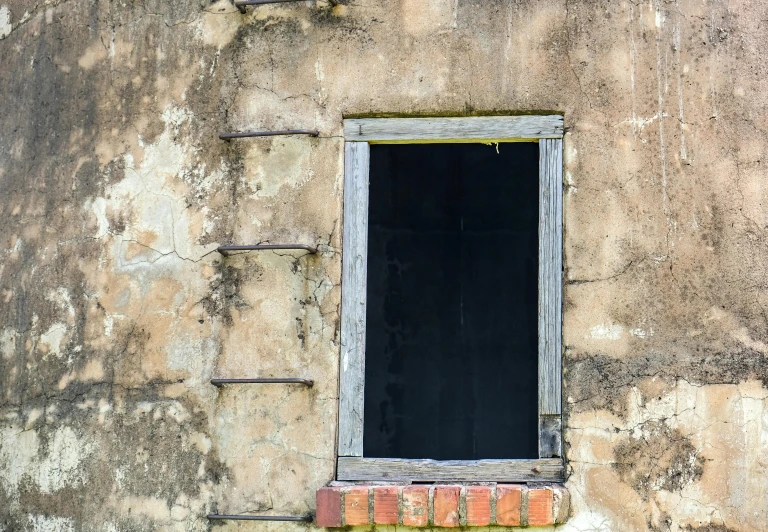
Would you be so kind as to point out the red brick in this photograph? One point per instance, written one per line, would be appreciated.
(509, 500)
(356, 506)
(478, 505)
(415, 505)
(385, 510)
(540, 511)
(328, 507)
(446, 501)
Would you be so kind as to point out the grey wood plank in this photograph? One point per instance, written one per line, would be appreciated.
(550, 436)
(394, 469)
(353, 296)
(550, 274)
(471, 129)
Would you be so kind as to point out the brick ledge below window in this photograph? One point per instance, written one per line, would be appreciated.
(443, 505)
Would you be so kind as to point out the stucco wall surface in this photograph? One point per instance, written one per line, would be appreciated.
(116, 312)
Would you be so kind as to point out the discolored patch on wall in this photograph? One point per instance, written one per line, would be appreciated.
(5, 22)
(225, 287)
(599, 382)
(142, 440)
(708, 528)
(657, 458)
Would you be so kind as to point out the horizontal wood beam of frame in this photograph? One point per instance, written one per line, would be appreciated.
(472, 129)
(394, 469)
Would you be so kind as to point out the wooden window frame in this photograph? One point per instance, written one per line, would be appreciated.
(359, 133)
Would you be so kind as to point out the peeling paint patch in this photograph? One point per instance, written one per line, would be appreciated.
(52, 339)
(5, 22)
(18, 454)
(7, 342)
(150, 201)
(61, 468)
(92, 56)
(589, 520)
(219, 25)
(201, 442)
(99, 207)
(606, 331)
(109, 323)
(44, 523)
(641, 333)
(61, 297)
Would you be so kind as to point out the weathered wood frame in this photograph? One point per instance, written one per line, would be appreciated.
(359, 134)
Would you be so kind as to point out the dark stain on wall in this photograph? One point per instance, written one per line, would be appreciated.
(225, 288)
(599, 382)
(708, 528)
(137, 448)
(660, 458)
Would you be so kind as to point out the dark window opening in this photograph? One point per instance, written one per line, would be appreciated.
(452, 314)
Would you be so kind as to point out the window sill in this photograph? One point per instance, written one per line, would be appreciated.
(373, 470)
(443, 505)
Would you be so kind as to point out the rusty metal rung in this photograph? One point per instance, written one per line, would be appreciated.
(247, 134)
(240, 4)
(302, 518)
(224, 250)
(220, 382)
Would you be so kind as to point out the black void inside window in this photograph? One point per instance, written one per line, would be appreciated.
(451, 360)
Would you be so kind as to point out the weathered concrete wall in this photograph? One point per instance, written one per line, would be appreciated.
(115, 190)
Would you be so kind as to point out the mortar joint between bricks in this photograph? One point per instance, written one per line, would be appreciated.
(371, 518)
(463, 506)
(524, 506)
(431, 505)
(343, 501)
(494, 494)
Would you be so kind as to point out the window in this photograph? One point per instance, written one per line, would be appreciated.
(451, 300)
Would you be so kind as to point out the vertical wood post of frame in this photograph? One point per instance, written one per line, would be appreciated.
(550, 296)
(353, 295)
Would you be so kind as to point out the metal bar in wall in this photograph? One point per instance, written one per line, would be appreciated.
(223, 517)
(221, 382)
(247, 134)
(225, 250)
(240, 4)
